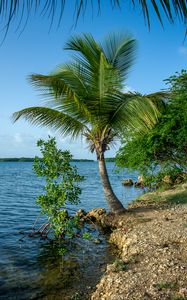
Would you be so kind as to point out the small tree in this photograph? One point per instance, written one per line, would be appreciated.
(61, 187)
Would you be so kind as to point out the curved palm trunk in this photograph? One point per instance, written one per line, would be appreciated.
(114, 204)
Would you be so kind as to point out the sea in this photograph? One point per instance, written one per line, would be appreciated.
(31, 267)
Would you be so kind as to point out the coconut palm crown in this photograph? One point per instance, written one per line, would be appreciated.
(85, 98)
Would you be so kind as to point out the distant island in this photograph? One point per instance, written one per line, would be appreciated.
(110, 159)
(31, 159)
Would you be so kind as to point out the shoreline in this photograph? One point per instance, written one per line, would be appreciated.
(152, 240)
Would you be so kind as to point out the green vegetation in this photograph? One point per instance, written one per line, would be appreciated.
(120, 265)
(31, 159)
(180, 198)
(166, 285)
(86, 99)
(61, 188)
(87, 236)
(173, 196)
(160, 154)
(17, 159)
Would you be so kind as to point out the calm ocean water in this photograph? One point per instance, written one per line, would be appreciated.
(29, 268)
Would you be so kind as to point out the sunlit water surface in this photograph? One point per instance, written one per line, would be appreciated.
(31, 268)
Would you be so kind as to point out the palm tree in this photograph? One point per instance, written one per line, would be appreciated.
(84, 98)
(52, 9)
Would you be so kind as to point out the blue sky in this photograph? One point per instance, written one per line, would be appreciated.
(161, 52)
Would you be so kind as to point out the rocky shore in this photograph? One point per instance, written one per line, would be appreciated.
(152, 249)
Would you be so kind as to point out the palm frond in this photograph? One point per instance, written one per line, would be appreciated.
(101, 77)
(58, 121)
(162, 96)
(137, 112)
(120, 51)
(63, 89)
(19, 10)
(86, 47)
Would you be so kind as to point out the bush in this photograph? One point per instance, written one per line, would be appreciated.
(163, 150)
(61, 187)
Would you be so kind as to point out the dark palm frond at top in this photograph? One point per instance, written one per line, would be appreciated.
(21, 10)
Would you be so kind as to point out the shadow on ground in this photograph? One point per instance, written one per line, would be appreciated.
(159, 200)
(179, 198)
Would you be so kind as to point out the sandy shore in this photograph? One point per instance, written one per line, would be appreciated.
(152, 242)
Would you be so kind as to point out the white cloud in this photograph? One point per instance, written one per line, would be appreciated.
(18, 144)
(24, 140)
(22, 144)
(18, 139)
(182, 50)
(127, 89)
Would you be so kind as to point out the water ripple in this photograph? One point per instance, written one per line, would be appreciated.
(24, 264)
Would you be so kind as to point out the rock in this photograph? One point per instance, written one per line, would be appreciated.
(181, 177)
(183, 292)
(140, 182)
(140, 179)
(81, 213)
(95, 214)
(178, 180)
(127, 182)
(97, 241)
(167, 179)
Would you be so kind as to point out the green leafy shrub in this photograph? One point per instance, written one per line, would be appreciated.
(61, 187)
(163, 150)
(87, 236)
(120, 265)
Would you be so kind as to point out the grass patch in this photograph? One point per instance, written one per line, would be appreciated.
(179, 298)
(135, 258)
(178, 198)
(172, 196)
(149, 198)
(120, 265)
(165, 285)
(144, 220)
